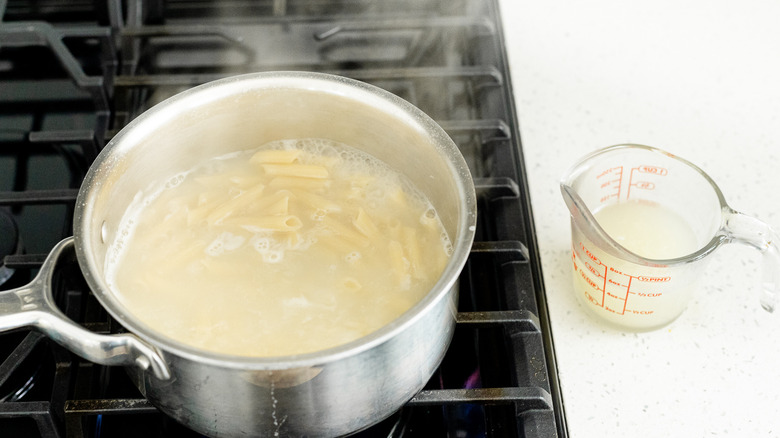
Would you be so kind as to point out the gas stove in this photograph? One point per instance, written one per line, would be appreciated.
(74, 73)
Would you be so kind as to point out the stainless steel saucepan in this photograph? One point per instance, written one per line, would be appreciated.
(327, 393)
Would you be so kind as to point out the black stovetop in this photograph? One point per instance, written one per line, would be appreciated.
(73, 73)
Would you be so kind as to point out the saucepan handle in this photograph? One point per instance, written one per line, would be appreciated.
(33, 306)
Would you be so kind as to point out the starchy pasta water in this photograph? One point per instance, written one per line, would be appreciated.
(295, 247)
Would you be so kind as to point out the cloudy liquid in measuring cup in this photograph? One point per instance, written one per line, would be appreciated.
(630, 295)
(647, 229)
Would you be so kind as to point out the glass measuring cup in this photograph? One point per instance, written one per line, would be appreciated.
(634, 292)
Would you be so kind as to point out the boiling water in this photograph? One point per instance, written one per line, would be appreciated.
(627, 294)
(292, 248)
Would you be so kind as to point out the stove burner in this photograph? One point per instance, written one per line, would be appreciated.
(74, 73)
(18, 382)
(21, 356)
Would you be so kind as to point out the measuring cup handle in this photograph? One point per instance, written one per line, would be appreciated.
(33, 306)
(745, 229)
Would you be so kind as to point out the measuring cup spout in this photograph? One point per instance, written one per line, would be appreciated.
(581, 215)
(739, 227)
(584, 221)
(573, 202)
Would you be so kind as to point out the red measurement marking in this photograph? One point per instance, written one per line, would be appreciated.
(604, 199)
(588, 280)
(611, 281)
(617, 271)
(606, 184)
(593, 270)
(652, 169)
(591, 299)
(654, 279)
(610, 171)
(590, 254)
(620, 288)
(615, 180)
(644, 185)
(628, 288)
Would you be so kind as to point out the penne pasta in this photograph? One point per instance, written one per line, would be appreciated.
(207, 201)
(303, 233)
(278, 207)
(364, 224)
(358, 186)
(266, 223)
(277, 203)
(399, 264)
(341, 230)
(246, 181)
(297, 170)
(398, 195)
(336, 244)
(396, 257)
(352, 284)
(356, 193)
(292, 182)
(234, 205)
(317, 202)
(179, 259)
(393, 229)
(412, 247)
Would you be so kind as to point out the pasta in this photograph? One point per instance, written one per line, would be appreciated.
(337, 244)
(290, 248)
(292, 182)
(205, 204)
(238, 203)
(280, 206)
(413, 254)
(364, 224)
(349, 234)
(316, 201)
(266, 223)
(352, 284)
(399, 263)
(277, 203)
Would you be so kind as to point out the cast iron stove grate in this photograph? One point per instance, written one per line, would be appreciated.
(72, 75)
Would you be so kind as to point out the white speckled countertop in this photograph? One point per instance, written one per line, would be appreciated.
(700, 79)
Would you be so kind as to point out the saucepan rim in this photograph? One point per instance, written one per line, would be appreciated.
(367, 94)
